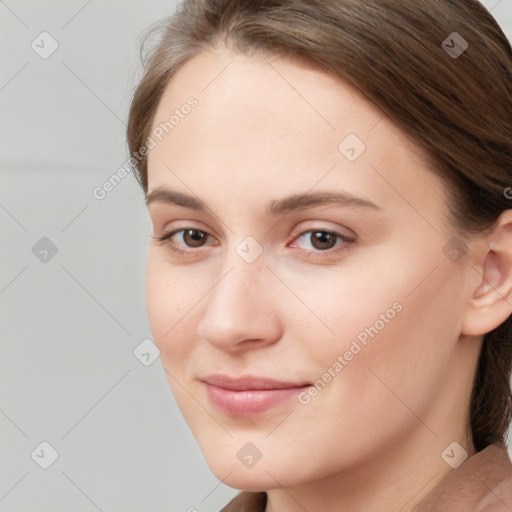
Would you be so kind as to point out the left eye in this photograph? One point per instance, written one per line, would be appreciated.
(322, 240)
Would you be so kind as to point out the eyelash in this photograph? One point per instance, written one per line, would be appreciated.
(163, 240)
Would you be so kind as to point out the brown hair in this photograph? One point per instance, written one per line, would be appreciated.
(457, 107)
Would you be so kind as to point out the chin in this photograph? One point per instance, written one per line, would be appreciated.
(267, 473)
(246, 479)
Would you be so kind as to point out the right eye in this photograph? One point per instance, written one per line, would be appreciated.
(190, 237)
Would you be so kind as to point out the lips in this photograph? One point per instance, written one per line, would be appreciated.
(245, 383)
(249, 395)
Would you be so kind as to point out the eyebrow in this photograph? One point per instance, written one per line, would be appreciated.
(274, 207)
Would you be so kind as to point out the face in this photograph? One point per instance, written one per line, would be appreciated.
(303, 293)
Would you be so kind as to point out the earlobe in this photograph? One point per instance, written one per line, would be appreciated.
(491, 303)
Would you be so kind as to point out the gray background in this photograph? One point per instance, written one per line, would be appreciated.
(70, 324)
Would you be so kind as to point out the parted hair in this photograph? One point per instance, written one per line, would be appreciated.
(456, 106)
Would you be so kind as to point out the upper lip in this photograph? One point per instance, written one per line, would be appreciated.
(250, 382)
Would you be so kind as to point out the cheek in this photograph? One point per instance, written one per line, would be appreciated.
(384, 329)
(169, 303)
(170, 306)
(352, 302)
(415, 355)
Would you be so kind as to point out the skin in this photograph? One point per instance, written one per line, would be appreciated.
(372, 438)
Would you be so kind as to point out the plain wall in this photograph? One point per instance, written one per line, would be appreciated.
(70, 323)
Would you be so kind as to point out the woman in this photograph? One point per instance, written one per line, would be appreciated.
(330, 275)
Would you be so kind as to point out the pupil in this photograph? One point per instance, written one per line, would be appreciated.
(196, 237)
(321, 239)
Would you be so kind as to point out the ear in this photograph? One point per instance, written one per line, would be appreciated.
(491, 303)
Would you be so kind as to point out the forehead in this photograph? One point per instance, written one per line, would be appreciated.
(267, 90)
(263, 119)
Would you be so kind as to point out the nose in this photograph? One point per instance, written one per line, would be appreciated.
(241, 310)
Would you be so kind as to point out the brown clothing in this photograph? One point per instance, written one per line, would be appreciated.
(482, 483)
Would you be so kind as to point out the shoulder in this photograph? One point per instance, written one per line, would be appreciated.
(483, 483)
(498, 480)
(247, 501)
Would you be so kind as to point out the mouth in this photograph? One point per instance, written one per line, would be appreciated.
(244, 396)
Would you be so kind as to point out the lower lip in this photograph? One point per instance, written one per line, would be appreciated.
(251, 401)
